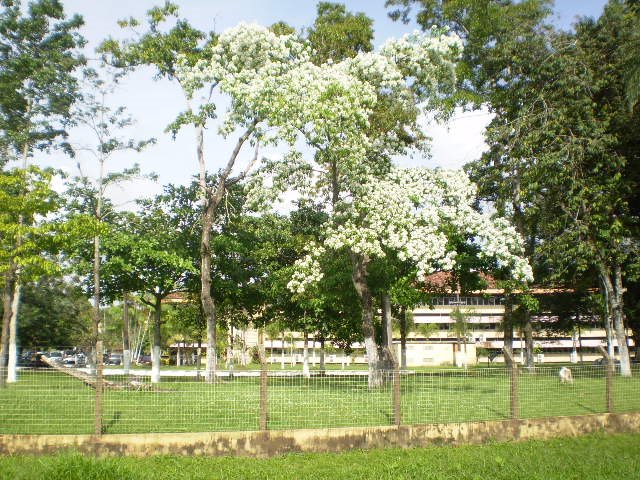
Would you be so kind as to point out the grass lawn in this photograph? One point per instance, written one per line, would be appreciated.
(47, 401)
(593, 457)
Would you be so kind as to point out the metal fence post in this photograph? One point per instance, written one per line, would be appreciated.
(513, 395)
(99, 361)
(609, 378)
(264, 385)
(264, 397)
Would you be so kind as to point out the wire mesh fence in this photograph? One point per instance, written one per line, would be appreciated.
(53, 401)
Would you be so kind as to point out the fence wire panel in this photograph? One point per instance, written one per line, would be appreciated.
(455, 395)
(181, 404)
(324, 401)
(53, 401)
(542, 394)
(626, 391)
(45, 401)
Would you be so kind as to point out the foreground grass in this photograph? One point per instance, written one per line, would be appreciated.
(52, 402)
(585, 458)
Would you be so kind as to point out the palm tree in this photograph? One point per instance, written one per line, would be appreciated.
(461, 330)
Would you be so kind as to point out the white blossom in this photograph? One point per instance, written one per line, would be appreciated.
(412, 212)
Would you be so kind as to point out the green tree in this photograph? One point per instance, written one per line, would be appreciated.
(337, 34)
(145, 255)
(37, 88)
(172, 52)
(25, 198)
(55, 314)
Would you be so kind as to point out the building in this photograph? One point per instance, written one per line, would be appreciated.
(433, 339)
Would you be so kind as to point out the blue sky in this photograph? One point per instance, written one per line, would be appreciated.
(155, 104)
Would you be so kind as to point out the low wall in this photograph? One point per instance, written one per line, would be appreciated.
(264, 444)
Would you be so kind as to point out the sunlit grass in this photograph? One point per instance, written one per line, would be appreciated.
(594, 457)
(47, 401)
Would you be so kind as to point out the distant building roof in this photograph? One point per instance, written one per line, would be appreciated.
(443, 281)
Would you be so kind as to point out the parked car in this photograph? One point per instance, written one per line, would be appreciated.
(75, 360)
(114, 359)
(54, 355)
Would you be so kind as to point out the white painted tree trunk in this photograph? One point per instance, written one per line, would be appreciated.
(155, 364)
(126, 340)
(282, 352)
(155, 350)
(305, 363)
(12, 365)
(612, 283)
(126, 361)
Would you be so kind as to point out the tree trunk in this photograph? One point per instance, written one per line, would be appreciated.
(387, 337)
(12, 374)
(322, 365)
(211, 199)
(508, 328)
(607, 324)
(359, 277)
(635, 334)
(528, 341)
(580, 344)
(614, 291)
(97, 333)
(126, 342)
(466, 357)
(208, 305)
(156, 353)
(403, 339)
(291, 349)
(199, 354)
(7, 295)
(305, 361)
(282, 361)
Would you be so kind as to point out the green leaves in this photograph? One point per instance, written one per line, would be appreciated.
(26, 199)
(37, 60)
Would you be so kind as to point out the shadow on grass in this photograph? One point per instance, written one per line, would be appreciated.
(112, 422)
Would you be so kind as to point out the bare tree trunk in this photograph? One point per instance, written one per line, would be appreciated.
(7, 295)
(608, 328)
(212, 198)
(208, 305)
(97, 332)
(156, 354)
(580, 344)
(359, 277)
(528, 341)
(322, 365)
(389, 358)
(199, 356)
(614, 291)
(305, 359)
(508, 329)
(403, 339)
(12, 374)
(282, 361)
(264, 383)
(126, 342)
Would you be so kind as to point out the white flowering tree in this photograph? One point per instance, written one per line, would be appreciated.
(243, 65)
(419, 216)
(354, 115)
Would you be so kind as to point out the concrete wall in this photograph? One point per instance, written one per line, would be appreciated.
(264, 444)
